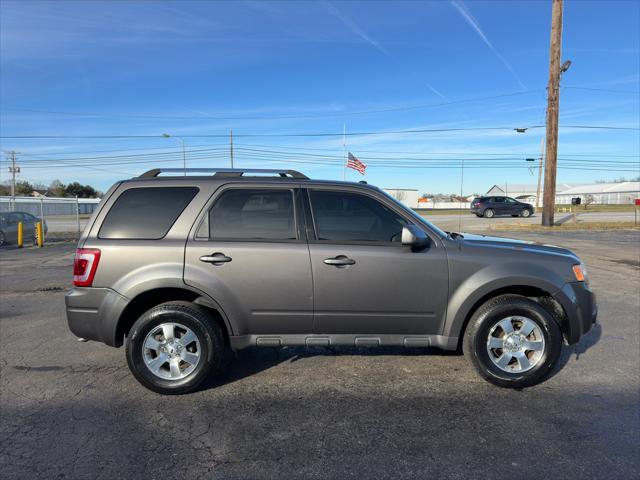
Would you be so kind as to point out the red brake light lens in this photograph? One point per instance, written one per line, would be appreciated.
(85, 265)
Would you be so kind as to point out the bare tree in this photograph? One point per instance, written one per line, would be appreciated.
(399, 195)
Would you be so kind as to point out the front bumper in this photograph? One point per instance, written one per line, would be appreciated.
(93, 313)
(580, 308)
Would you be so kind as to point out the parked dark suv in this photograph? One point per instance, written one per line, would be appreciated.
(491, 206)
(180, 268)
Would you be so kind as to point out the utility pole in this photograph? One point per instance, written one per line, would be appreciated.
(231, 146)
(13, 169)
(540, 174)
(553, 99)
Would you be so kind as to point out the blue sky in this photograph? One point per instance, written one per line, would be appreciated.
(202, 68)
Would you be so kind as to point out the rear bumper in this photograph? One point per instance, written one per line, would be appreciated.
(93, 313)
(580, 308)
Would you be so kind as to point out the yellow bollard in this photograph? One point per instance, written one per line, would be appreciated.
(39, 236)
(20, 235)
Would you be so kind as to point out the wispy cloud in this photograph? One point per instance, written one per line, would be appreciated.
(435, 92)
(351, 25)
(470, 19)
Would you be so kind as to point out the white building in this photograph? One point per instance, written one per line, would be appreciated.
(408, 196)
(596, 193)
(621, 193)
(524, 193)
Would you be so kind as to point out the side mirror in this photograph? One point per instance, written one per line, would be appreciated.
(414, 237)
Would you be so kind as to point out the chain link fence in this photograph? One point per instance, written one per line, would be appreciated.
(63, 216)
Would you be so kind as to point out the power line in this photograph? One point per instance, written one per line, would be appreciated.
(142, 154)
(431, 153)
(255, 153)
(600, 127)
(313, 134)
(168, 149)
(299, 148)
(325, 134)
(223, 116)
(632, 92)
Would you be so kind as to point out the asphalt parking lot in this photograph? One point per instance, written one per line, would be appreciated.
(72, 410)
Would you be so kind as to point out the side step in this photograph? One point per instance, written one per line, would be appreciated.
(408, 341)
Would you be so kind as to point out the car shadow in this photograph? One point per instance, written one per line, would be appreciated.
(251, 361)
(586, 342)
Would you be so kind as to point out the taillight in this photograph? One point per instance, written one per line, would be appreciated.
(85, 265)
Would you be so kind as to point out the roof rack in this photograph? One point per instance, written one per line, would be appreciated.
(225, 172)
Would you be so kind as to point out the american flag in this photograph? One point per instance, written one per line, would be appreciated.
(353, 162)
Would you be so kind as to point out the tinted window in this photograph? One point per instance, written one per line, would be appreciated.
(341, 216)
(146, 213)
(510, 200)
(498, 199)
(253, 214)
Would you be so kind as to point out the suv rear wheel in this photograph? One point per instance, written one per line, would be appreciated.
(173, 347)
(488, 213)
(513, 342)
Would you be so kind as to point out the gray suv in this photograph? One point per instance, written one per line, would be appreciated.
(182, 268)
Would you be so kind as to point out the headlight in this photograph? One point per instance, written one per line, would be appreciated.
(580, 272)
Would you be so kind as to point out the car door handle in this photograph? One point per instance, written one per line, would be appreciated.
(339, 261)
(215, 258)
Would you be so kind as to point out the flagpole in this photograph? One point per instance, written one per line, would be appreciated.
(344, 148)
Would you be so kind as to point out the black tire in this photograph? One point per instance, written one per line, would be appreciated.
(525, 213)
(489, 213)
(200, 322)
(478, 331)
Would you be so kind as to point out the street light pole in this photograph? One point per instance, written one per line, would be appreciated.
(184, 153)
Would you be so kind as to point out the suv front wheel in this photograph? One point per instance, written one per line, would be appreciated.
(173, 347)
(513, 342)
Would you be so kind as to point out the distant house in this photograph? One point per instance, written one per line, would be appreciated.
(37, 192)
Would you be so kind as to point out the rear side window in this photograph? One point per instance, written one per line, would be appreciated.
(146, 213)
(253, 214)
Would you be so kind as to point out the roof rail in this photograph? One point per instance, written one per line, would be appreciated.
(224, 172)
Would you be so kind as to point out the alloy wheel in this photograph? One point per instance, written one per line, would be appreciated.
(515, 344)
(171, 351)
